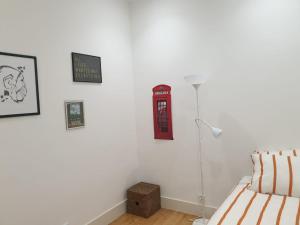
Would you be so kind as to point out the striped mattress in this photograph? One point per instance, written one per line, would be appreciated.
(247, 207)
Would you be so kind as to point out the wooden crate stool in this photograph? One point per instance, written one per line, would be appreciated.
(143, 199)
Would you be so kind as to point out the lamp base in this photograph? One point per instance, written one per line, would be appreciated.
(201, 221)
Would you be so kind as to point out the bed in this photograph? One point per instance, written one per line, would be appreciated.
(247, 207)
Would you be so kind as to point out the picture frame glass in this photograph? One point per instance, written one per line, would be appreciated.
(18, 85)
(74, 114)
(86, 68)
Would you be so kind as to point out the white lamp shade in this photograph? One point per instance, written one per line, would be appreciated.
(195, 80)
(216, 131)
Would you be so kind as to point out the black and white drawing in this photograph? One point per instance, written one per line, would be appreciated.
(19, 94)
(12, 84)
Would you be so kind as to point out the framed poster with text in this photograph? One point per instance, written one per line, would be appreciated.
(86, 68)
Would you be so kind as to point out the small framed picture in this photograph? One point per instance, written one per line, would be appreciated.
(86, 68)
(74, 114)
(19, 91)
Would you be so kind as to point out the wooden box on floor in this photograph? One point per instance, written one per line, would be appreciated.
(143, 199)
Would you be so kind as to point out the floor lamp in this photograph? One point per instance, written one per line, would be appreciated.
(196, 81)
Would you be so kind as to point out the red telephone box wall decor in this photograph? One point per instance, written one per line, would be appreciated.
(162, 112)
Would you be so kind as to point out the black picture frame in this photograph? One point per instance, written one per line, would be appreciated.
(35, 93)
(86, 68)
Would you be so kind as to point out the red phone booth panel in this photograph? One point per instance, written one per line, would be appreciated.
(162, 112)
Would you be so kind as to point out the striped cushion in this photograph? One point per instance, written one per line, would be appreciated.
(283, 152)
(275, 174)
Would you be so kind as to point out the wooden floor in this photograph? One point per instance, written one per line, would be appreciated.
(162, 217)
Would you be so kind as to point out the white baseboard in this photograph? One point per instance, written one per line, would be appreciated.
(110, 215)
(167, 203)
(186, 207)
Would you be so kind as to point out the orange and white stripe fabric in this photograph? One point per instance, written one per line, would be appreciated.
(246, 207)
(279, 152)
(275, 174)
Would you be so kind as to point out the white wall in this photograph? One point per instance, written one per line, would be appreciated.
(47, 174)
(250, 50)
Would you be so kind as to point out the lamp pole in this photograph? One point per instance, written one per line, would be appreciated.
(197, 121)
(196, 81)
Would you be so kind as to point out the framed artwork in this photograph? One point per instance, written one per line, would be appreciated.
(162, 112)
(86, 68)
(19, 92)
(74, 114)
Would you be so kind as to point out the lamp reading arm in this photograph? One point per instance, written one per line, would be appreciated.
(216, 131)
